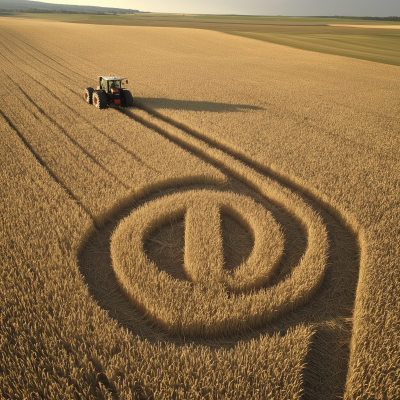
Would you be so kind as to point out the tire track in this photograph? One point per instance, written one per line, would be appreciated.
(57, 151)
(53, 121)
(75, 112)
(43, 164)
(38, 60)
(35, 49)
(234, 154)
(81, 146)
(200, 149)
(344, 242)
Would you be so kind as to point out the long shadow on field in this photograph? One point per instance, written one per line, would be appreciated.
(191, 105)
(328, 314)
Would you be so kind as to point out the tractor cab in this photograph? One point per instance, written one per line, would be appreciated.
(107, 83)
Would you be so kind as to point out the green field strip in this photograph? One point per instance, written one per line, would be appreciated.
(382, 48)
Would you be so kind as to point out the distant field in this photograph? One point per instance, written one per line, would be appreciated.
(383, 48)
(367, 40)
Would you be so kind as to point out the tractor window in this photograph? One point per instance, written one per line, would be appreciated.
(116, 84)
(104, 83)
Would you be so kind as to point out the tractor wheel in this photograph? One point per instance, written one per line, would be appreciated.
(99, 99)
(89, 95)
(128, 98)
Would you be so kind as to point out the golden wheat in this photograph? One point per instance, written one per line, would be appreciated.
(80, 154)
(326, 125)
(66, 346)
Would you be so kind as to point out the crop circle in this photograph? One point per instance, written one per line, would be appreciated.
(214, 301)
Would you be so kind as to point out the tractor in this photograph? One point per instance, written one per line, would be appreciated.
(109, 93)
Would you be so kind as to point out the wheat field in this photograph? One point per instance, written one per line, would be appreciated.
(234, 235)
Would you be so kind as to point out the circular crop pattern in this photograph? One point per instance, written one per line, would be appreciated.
(213, 301)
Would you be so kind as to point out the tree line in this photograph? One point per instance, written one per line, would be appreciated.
(46, 11)
(390, 18)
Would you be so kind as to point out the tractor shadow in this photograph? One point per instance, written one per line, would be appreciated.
(191, 105)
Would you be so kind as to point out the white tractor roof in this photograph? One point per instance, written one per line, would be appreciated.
(110, 78)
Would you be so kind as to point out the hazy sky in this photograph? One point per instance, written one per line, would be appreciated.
(264, 7)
